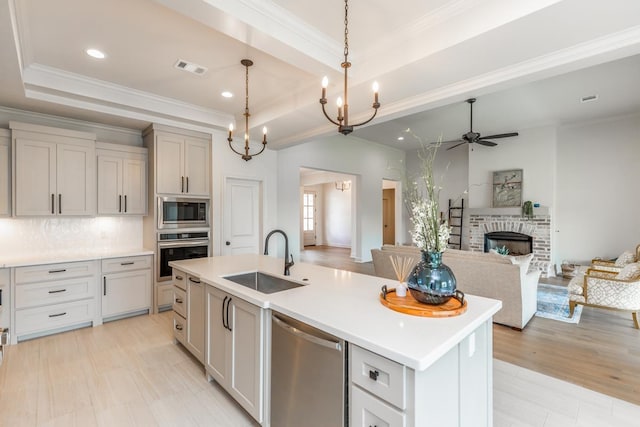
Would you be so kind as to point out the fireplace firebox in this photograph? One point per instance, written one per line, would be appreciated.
(516, 243)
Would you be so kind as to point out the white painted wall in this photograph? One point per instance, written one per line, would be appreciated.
(597, 203)
(337, 216)
(533, 152)
(369, 162)
(263, 168)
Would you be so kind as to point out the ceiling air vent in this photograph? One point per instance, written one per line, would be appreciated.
(190, 67)
(589, 98)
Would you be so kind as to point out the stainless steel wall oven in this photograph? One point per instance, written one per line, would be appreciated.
(178, 245)
(175, 212)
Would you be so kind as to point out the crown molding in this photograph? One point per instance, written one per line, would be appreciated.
(47, 83)
(57, 121)
(613, 46)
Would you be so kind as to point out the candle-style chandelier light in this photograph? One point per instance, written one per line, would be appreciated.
(246, 156)
(343, 106)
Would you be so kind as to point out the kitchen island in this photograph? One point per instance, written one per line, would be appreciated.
(443, 367)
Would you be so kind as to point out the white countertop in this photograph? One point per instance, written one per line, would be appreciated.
(347, 305)
(39, 258)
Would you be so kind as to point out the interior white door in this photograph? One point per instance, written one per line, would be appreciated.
(309, 218)
(242, 213)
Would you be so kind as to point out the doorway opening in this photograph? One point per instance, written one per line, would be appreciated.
(326, 208)
(390, 205)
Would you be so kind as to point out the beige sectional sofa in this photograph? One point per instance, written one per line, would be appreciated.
(484, 274)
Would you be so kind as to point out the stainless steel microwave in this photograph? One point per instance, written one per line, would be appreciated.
(176, 212)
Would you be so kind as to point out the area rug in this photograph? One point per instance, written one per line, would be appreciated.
(553, 303)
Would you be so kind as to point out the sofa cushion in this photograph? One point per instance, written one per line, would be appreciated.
(629, 272)
(627, 257)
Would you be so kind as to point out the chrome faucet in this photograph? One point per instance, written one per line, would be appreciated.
(287, 263)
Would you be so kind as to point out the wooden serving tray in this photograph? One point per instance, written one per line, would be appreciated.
(409, 305)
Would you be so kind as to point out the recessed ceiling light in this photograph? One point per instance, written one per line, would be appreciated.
(401, 138)
(95, 53)
(227, 94)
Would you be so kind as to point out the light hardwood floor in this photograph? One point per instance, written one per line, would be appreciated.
(124, 373)
(601, 353)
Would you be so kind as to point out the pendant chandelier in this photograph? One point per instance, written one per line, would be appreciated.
(246, 156)
(342, 121)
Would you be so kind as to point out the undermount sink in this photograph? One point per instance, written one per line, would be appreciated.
(262, 282)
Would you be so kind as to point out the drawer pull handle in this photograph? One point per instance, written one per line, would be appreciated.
(58, 314)
(57, 291)
(127, 263)
(178, 300)
(194, 280)
(374, 375)
(179, 327)
(179, 278)
(57, 271)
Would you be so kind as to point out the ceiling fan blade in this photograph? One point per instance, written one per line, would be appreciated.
(487, 143)
(450, 141)
(450, 148)
(500, 135)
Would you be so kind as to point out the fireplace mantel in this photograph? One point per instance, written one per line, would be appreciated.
(517, 211)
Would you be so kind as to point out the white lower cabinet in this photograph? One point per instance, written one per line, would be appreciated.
(454, 391)
(126, 285)
(195, 317)
(53, 296)
(179, 306)
(235, 348)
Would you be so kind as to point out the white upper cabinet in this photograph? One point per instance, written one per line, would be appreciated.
(182, 161)
(55, 171)
(122, 179)
(5, 172)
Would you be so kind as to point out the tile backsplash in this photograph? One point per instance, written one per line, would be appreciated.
(20, 236)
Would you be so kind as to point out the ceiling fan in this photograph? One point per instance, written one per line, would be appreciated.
(472, 137)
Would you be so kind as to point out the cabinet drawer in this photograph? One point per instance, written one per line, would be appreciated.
(116, 265)
(43, 273)
(54, 292)
(179, 328)
(180, 279)
(379, 375)
(180, 301)
(39, 319)
(367, 411)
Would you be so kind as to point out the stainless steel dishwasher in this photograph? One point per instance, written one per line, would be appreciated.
(308, 376)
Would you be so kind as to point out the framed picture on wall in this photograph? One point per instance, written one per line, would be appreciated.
(507, 188)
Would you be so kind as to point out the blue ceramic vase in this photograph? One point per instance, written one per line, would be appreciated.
(432, 282)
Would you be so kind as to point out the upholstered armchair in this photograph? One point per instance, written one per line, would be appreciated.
(608, 289)
(618, 264)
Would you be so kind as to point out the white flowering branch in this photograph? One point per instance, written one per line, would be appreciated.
(429, 233)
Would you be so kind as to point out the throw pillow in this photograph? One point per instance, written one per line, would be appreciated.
(629, 272)
(627, 257)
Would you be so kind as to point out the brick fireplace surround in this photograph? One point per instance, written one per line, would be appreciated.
(486, 220)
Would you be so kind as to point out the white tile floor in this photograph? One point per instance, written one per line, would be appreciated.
(524, 398)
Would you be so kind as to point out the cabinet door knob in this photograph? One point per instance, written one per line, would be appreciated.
(374, 375)
(228, 243)
(179, 277)
(178, 300)
(179, 327)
